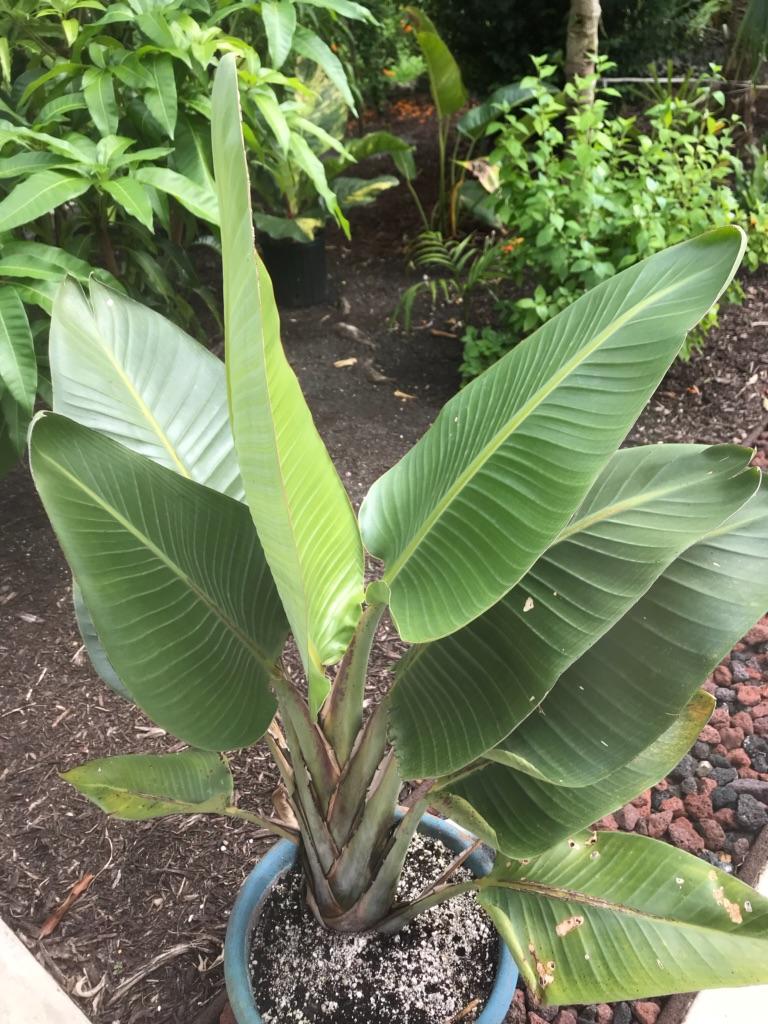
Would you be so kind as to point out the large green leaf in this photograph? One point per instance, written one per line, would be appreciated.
(459, 696)
(471, 507)
(124, 370)
(279, 18)
(445, 79)
(617, 698)
(347, 8)
(18, 364)
(302, 513)
(38, 194)
(13, 430)
(619, 916)
(93, 645)
(521, 816)
(136, 787)
(131, 195)
(173, 575)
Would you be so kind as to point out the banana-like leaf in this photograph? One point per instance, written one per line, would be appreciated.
(488, 488)
(173, 575)
(136, 787)
(456, 698)
(521, 816)
(445, 81)
(617, 698)
(38, 194)
(300, 229)
(18, 364)
(124, 370)
(620, 916)
(279, 18)
(96, 653)
(302, 513)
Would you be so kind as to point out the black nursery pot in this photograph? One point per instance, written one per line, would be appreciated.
(297, 269)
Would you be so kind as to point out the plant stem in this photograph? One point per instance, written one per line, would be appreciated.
(277, 827)
(342, 716)
(404, 913)
(419, 207)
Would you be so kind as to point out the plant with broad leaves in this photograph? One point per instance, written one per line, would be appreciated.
(564, 600)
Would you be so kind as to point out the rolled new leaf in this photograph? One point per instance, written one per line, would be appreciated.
(136, 787)
(174, 578)
(486, 491)
(576, 918)
(457, 697)
(617, 698)
(521, 816)
(302, 513)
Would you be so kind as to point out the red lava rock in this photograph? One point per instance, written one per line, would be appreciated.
(738, 758)
(722, 676)
(534, 1018)
(607, 824)
(720, 716)
(643, 802)
(518, 1014)
(726, 816)
(227, 1015)
(759, 710)
(761, 726)
(604, 1014)
(661, 787)
(707, 785)
(709, 685)
(719, 749)
(748, 695)
(647, 1012)
(743, 720)
(684, 835)
(709, 734)
(758, 634)
(748, 773)
(659, 823)
(698, 806)
(731, 738)
(674, 804)
(627, 817)
(713, 833)
(566, 1017)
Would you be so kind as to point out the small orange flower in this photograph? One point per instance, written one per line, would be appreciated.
(388, 72)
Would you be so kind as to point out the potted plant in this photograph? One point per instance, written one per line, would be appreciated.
(301, 179)
(564, 600)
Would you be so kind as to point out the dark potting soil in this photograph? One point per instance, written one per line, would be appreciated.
(437, 966)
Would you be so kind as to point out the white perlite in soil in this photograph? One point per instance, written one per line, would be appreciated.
(428, 973)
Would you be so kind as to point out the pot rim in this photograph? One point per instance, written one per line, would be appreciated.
(280, 859)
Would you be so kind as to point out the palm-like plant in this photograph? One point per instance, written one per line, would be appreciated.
(564, 600)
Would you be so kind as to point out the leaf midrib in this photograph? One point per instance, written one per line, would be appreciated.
(176, 569)
(529, 407)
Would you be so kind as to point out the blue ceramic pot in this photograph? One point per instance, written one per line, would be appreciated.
(281, 858)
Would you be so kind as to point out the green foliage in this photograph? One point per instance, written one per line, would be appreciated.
(532, 564)
(590, 192)
(452, 271)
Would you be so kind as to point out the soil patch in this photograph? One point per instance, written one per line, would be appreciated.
(439, 964)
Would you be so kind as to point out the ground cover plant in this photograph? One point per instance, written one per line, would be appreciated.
(521, 552)
(591, 191)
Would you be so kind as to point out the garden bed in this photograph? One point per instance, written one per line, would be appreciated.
(144, 941)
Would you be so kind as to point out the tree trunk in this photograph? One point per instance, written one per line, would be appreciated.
(581, 45)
